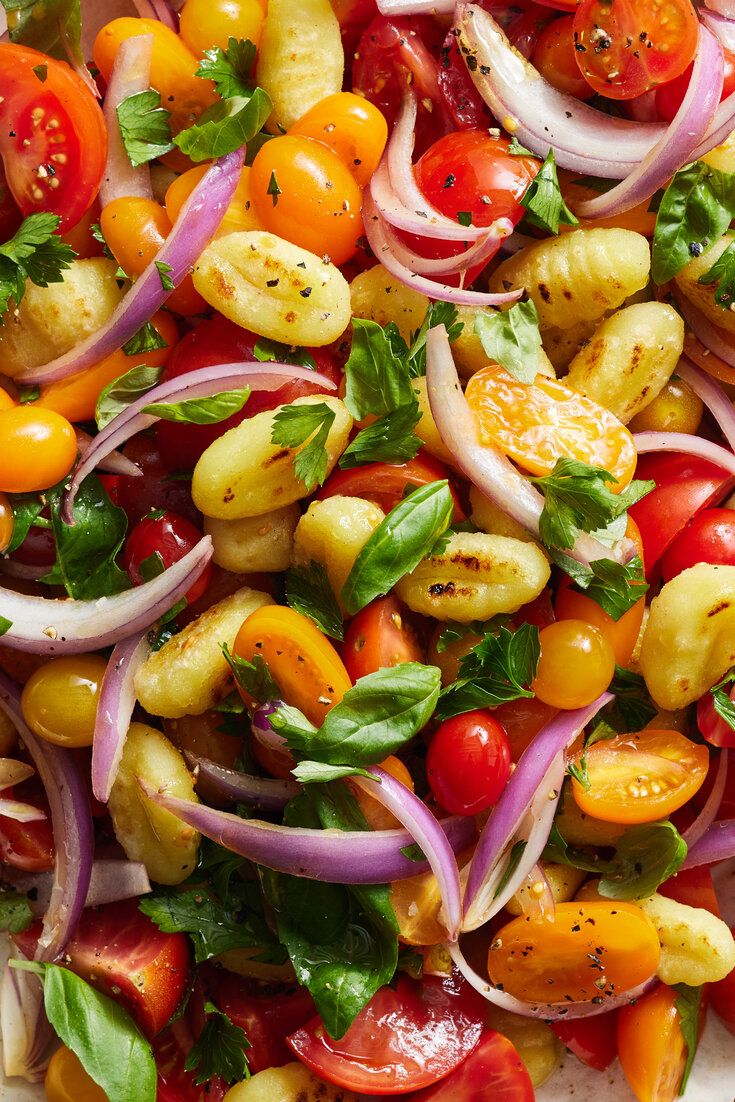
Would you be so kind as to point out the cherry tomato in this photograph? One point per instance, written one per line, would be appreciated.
(641, 777)
(463, 102)
(692, 887)
(10, 215)
(67, 1081)
(555, 58)
(27, 846)
(170, 537)
(53, 138)
(268, 1013)
(722, 997)
(306, 667)
(156, 489)
(468, 763)
(403, 1040)
(417, 903)
(7, 522)
(377, 816)
(385, 483)
(208, 23)
(577, 663)
(493, 1072)
(651, 1045)
(39, 546)
(560, 961)
(592, 1040)
(676, 408)
(379, 636)
(626, 47)
(351, 127)
(669, 97)
(716, 730)
(536, 424)
(175, 1083)
(60, 699)
(37, 448)
(708, 537)
(727, 803)
(240, 215)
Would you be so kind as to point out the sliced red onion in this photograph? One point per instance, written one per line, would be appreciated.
(114, 711)
(677, 145)
(716, 844)
(415, 7)
(713, 396)
(712, 338)
(195, 226)
(720, 23)
(28, 1039)
(339, 857)
(397, 214)
(112, 880)
(487, 468)
(131, 74)
(262, 729)
(724, 8)
(20, 812)
(71, 820)
(708, 814)
(535, 895)
(687, 444)
(427, 833)
(196, 384)
(45, 625)
(530, 797)
(159, 10)
(22, 570)
(643, 108)
(114, 463)
(720, 128)
(263, 793)
(478, 253)
(14, 772)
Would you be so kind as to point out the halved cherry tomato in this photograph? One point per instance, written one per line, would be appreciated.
(403, 1040)
(576, 664)
(463, 102)
(385, 483)
(567, 959)
(536, 424)
(168, 536)
(592, 1040)
(641, 777)
(351, 127)
(468, 763)
(709, 537)
(378, 637)
(67, 1081)
(157, 489)
(53, 138)
(722, 997)
(626, 47)
(716, 730)
(651, 1045)
(306, 667)
(692, 887)
(669, 97)
(7, 522)
(493, 1072)
(37, 448)
(378, 817)
(267, 1012)
(175, 1083)
(27, 846)
(555, 58)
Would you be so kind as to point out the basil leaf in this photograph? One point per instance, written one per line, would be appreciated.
(85, 553)
(543, 201)
(219, 1050)
(268, 351)
(437, 313)
(225, 127)
(26, 511)
(689, 1006)
(201, 411)
(15, 912)
(28, 394)
(118, 394)
(517, 150)
(398, 544)
(513, 861)
(229, 69)
(145, 127)
(645, 856)
(632, 699)
(309, 592)
(500, 668)
(317, 772)
(5, 625)
(722, 275)
(254, 677)
(512, 339)
(723, 705)
(377, 379)
(696, 209)
(147, 339)
(390, 439)
(163, 269)
(307, 428)
(54, 28)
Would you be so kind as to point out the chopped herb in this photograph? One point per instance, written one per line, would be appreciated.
(268, 351)
(225, 127)
(437, 313)
(147, 339)
(376, 373)
(308, 591)
(163, 269)
(517, 150)
(86, 552)
(307, 428)
(229, 69)
(15, 912)
(512, 339)
(28, 394)
(689, 1006)
(615, 587)
(722, 275)
(696, 209)
(632, 699)
(219, 1050)
(543, 201)
(34, 252)
(201, 411)
(41, 72)
(273, 189)
(464, 217)
(5, 625)
(500, 668)
(145, 127)
(390, 439)
(54, 28)
(514, 859)
(118, 394)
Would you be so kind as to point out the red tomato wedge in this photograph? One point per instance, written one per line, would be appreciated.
(380, 637)
(592, 1040)
(493, 1072)
(385, 483)
(404, 1039)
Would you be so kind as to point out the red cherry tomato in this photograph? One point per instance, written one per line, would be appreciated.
(722, 1000)
(53, 139)
(468, 763)
(39, 546)
(156, 489)
(713, 728)
(727, 803)
(405, 1039)
(669, 96)
(379, 636)
(27, 846)
(555, 58)
(10, 216)
(592, 1040)
(169, 536)
(267, 1012)
(708, 537)
(493, 1072)
(464, 103)
(385, 483)
(692, 887)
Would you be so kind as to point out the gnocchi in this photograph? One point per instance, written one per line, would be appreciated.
(377, 296)
(534, 1042)
(252, 544)
(274, 288)
(701, 295)
(333, 532)
(426, 429)
(489, 517)
(291, 1083)
(562, 345)
(696, 946)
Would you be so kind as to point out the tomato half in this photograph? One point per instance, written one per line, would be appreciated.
(403, 1040)
(53, 138)
(27, 846)
(716, 730)
(378, 637)
(708, 537)
(170, 537)
(268, 1013)
(555, 58)
(669, 96)
(651, 1046)
(67, 1081)
(592, 1040)
(493, 1072)
(385, 483)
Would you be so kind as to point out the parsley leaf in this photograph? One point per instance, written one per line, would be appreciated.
(390, 439)
(632, 699)
(5, 625)
(163, 269)
(309, 592)
(225, 127)
(453, 631)
(615, 587)
(86, 552)
(437, 313)
(15, 913)
(147, 339)
(34, 252)
(723, 705)
(696, 209)
(201, 411)
(500, 668)
(377, 378)
(254, 677)
(722, 275)
(512, 339)
(145, 127)
(689, 1006)
(543, 201)
(229, 69)
(307, 428)
(517, 150)
(118, 394)
(219, 1050)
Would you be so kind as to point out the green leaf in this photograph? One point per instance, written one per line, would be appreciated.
(645, 856)
(163, 269)
(545, 207)
(225, 127)
(118, 394)
(41, 72)
(267, 351)
(201, 411)
(151, 566)
(696, 209)
(580, 773)
(219, 1050)
(293, 726)
(26, 511)
(513, 861)
(498, 669)
(28, 394)
(398, 544)
(309, 592)
(453, 631)
(147, 339)
(85, 553)
(54, 28)
(15, 912)
(517, 150)
(254, 677)
(229, 69)
(723, 705)
(145, 127)
(390, 439)
(512, 339)
(317, 772)
(34, 252)
(377, 379)
(273, 189)
(307, 428)
(722, 275)
(632, 699)
(437, 313)
(614, 586)
(5, 625)
(689, 1006)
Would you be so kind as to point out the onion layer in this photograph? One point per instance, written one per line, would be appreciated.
(687, 444)
(713, 396)
(131, 74)
(263, 793)
(114, 711)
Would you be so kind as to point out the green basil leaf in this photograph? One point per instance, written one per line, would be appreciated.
(15, 912)
(512, 339)
(390, 439)
(309, 592)
(254, 677)
(201, 411)
(26, 511)
(645, 856)
(229, 69)
(147, 339)
(632, 699)
(5, 625)
(696, 209)
(54, 28)
(145, 127)
(377, 379)
(317, 772)
(543, 201)
(689, 1006)
(514, 858)
(722, 275)
(437, 313)
(118, 394)
(86, 553)
(225, 127)
(267, 351)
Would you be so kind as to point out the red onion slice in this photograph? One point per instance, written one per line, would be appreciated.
(112, 880)
(724, 8)
(396, 214)
(687, 444)
(415, 7)
(716, 844)
(114, 712)
(706, 333)
(114, 463)
(131, 73)
(159, 10)
(339, 857)
(45, 625)
(708, 814)
(721, 23)
(263, 793)
(536, 896)
(426, 831)
(713, 396)
(28, 1039)
(479, 252)
(195, 227)
(20, 812)
(195, 384)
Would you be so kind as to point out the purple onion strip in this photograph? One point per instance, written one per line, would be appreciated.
(28, 1039)
(114, 711)
(687, 444)
(263, 793)
(131, 74)
(708, 814)
(713, 396)
(716, 844)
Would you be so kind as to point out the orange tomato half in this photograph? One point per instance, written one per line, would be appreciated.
(240, 215)
(67, 1081)
(651, 1046)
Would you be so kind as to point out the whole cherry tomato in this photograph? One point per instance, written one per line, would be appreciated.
(708, 537)
(157, 542)
(555, 58)
(157, 489)
(468, 763)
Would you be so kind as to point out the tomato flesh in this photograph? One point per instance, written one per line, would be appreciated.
(378, 637)
(267, 1013)
(27, 846)
(592, 1040)
(168, 536)
(386, 483)
(722, 997)
(468, 763)
(493, 1072)
(651, 1046)
(669, 96)
(708, 537)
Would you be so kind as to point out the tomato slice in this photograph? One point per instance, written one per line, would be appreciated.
(493, 1072)
(53, 139)
(651, 1046)
(722, 997)
(378, 637)
(267, 1013)
(385, 483)
(592, 1040)
(27, 846)
(708, 537)
(692, 887)
(404, 1039)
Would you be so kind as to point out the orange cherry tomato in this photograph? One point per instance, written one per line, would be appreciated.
(6, 402)
(352, 127)
(577, 663)
(537, 424)
(303, 192)
(135, 229)
(379, 636)
(307, 669)
(641, 777)
(567, 959)
(67, 1081)
(7, 522)
(651, 1046)
(554, 57)
(76, 396)
(240, 215)
(208, 23)
(522, 720)
(377, 816)
(37, 448)
(80, 236)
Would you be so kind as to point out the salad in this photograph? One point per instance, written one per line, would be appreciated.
(367, 546)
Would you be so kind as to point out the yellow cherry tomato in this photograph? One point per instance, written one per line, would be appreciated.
(37, 448)
(377, 816)
(307, 669)
(304, 193)
(60, 699)
(7, 523)
(6, 402)
(208, 23)
(577, 663)
(240, 215)
(352, 127)
(67, 1081)
(676, 408)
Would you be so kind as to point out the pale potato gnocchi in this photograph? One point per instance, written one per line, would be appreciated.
(291, 1083)
(253, 544)
(702, 294)
(333, 532)
(489, 517)
(696, 946)
(378, 296)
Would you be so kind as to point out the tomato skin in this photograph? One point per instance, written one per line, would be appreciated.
(464, 103)
(709, 537)
(651, 1046)
(155, 489)
(170, 536)
(403, 1040)
(693, 887)
(208, 23)
(379, 637)
(67, 1081)
(555, 58)
(669, 96)
(576, 664)
(351, 127)
(722, 998)
(27, 846)
(7, 522)
(268, 1013)
(37, 448)
(56, 125)
(10, 215)
(493, 1072)
(522, 720)
(468, 763)
(716, 730)
(385, 483)
(592, 1040)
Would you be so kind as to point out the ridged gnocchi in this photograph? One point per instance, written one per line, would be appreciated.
(243, 474)
(333, 532)
(167, 847)
(190, 674)
(291, 1083)
(489, 517)
(377, 296)
(696, 946)
(689, 641)
(274, 288)
(475, 577)
(629, 358)
(702, 294)
(253, 544)
(577, 276)
(426, 429)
